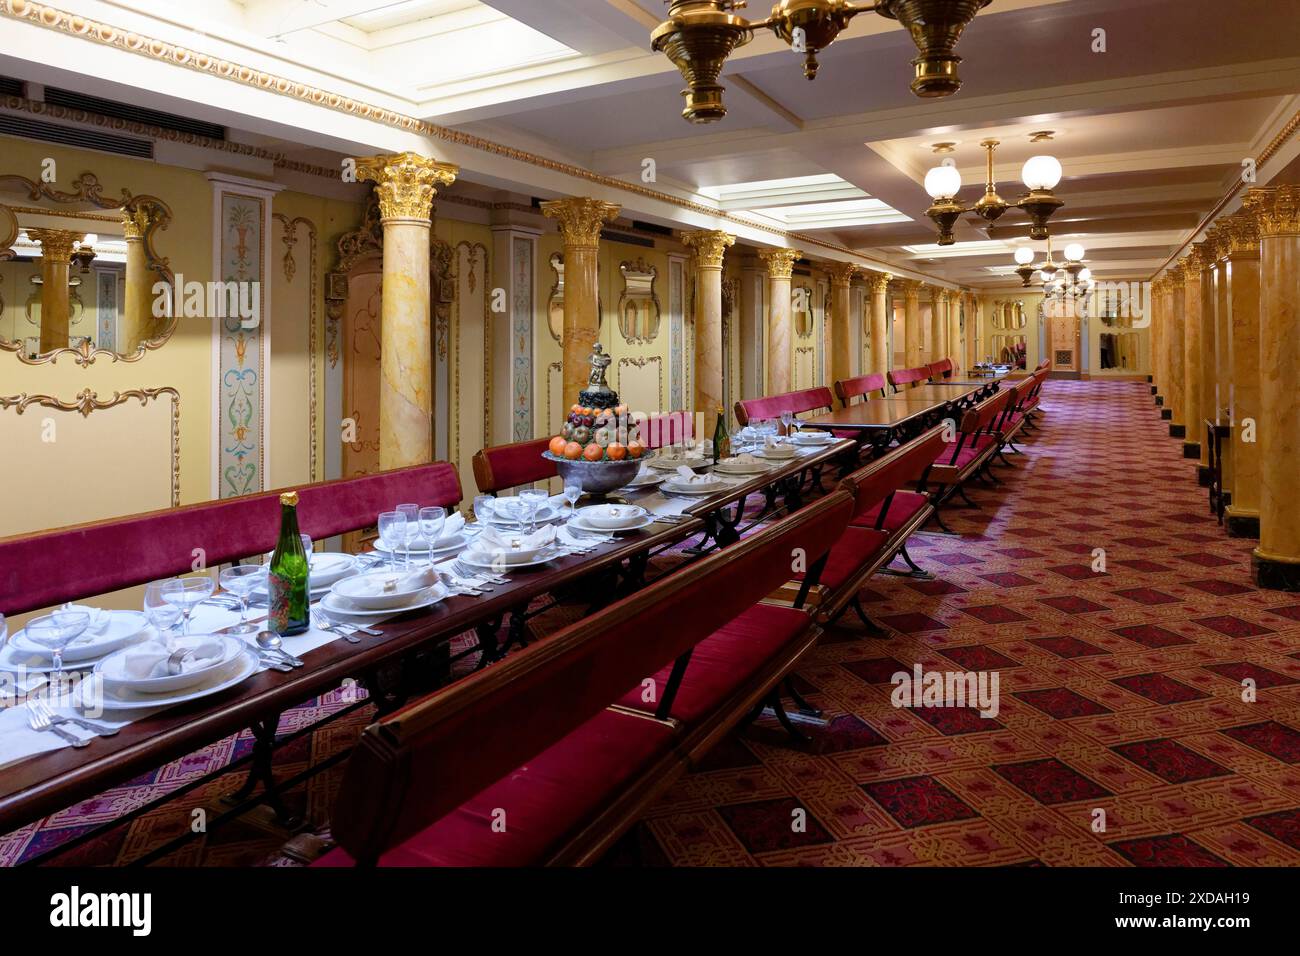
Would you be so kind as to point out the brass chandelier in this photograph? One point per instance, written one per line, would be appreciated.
(1040, 175)
(699, 35)
(1073, 276)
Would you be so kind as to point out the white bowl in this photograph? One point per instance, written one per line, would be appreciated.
(611, 516)
(370, 591)
(813, 438)
(777, 451)
(111, 667)
(490, 552)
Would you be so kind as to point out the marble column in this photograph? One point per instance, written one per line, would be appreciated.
(1192, 345)
(911, 322)
(405, 184)
(956, 347)
(938, 325)
(56, 310)
(709, 246)
(1222, 353)
(878, 332)
(137, 323)
(1209, 352)
(1174, 347)
(1240, 245)
(780, 270)
(581, 220)
(1157, 375)
(840, 343)
(1276, 210)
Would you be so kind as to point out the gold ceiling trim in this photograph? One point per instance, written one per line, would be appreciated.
(66, 214)
(88, 401)
(51, 18)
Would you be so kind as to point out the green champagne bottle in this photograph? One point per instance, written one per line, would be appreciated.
(287, 580)
(721, 438)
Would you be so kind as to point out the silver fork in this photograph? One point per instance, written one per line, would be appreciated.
(41, 721)
(103, 730)
(343, 630)
(480, 579)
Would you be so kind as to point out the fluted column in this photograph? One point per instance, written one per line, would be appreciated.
(956, 348)
(137, 322)
(709, 246)
(1222, 410)
(1174, 342)
(581, 220)
(1157, 330)
(405, 184)
(839, 343)
(1208, 354)
(780, 269)
(938, 324)
(878, 289)
(1192, 345)
(56, 254)
(1241, 274)
(1277, 213)
(911, 322)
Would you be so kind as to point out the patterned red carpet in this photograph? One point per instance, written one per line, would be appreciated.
(1120, 692)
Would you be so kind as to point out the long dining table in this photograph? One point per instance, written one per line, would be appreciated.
(900, 416)
(44, 783)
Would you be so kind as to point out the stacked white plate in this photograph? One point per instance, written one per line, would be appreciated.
(384, 592)
(707, 485)
(672, 463)
(512, 512)
(115, 694)
(739, 466)
(109, 631)
(611, 518)
(782, 452)
(812, 438)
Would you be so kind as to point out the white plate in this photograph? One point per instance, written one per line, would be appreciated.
(123, 626)
(359, 591)
(742, 468)
(328, 567)
(597, 516)
(644, 481)
(449, 543)
(337, 605)
(478, 559)
(701, 488)
(672, 464)
(170, 684)
(642, 522)
(763, 453)
(120, 698)
(812, 438)
(545, 513)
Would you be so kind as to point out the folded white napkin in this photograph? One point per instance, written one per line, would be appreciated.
(744, 458)
(373, 585)
(493, 539)
(99, 621)
(149, 660)
(688, 477)
(453, 526)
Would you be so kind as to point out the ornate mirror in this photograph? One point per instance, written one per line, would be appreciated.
(555, 305)
(79, 273)
(638, 303)
(1008, 342)
(1119, 350)
(801, 307)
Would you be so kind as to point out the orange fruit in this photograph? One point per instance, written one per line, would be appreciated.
(557, 445)
(573, 451)
(635, 449)
(616, 451)
(593, 452)
(575, 408)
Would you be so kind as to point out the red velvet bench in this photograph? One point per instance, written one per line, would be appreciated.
(910, 377)
(67, 564)
(940, 369)
(537, 742)
(502, 467)
(977, 441)
(861, 386)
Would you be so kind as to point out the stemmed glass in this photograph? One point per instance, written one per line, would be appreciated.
(787, 419)
(412, 513)
(162, 614)
(431, 523)
(241, 581)
(534, 499)
(572, 492)
(392, 531)
(56, 631)
(484, 508)
(187, 594)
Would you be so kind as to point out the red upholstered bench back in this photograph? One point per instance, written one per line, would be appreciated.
(66, 564)
(771, 406)
(941, 369)
(904, 467)
(509, 466)
(862, 385)
(670, 428)
(908, 376)
(418, 764)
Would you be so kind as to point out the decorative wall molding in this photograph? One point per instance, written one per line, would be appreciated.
(676, 331)
(87, 402)
(289, 239)
(641, 362)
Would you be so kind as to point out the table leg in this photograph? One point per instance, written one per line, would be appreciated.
(261, 771)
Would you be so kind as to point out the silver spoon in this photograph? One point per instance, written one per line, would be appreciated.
(270, 641)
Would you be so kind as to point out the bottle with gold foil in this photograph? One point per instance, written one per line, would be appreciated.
(721, 437)
(287, 578)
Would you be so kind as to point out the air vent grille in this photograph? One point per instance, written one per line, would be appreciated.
(74, 136)
(134, 114)
(10, 87)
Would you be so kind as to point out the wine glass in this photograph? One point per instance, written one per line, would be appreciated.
(432, 521)
(162, 614)
(787, 419)
(412, 513)
(187, 594)
(533, 499)
(56, 631)
(241, 581)
(392, 532)
(484, 508)
(572, 492)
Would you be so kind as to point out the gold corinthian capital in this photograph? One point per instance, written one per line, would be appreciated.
(878, 282)
(779, 262)
(842, 273)
(1240, 236)
(709, 246)
(136, 221)
(405, 182)
(580, 219)
(56, 244)
(1276, 210)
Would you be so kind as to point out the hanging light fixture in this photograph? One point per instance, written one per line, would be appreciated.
(1073, 274)
(1040, 175)
(699, 35)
